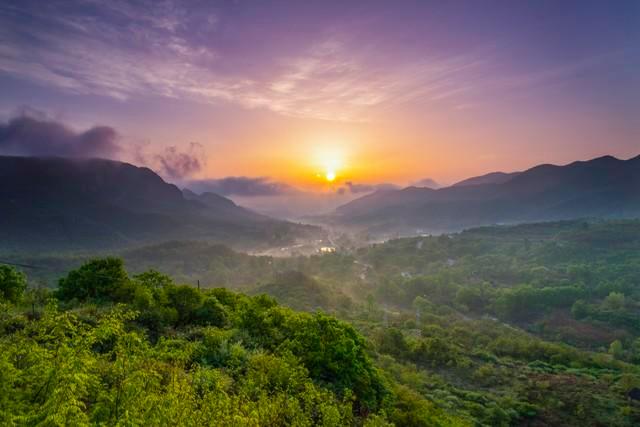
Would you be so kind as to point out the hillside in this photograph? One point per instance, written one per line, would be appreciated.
(301, 292)
(72, 204)
(526, 325)
(604, 187)
(172, 355)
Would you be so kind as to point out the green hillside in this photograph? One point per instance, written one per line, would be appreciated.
(529, 325)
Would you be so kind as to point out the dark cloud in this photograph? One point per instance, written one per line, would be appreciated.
(35, 135)
(242, 186)
(178, 164)
(365, 188)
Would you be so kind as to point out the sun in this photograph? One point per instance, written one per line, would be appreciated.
(328, 160)
(330, 175)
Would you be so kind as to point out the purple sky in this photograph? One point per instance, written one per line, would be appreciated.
(394, 91)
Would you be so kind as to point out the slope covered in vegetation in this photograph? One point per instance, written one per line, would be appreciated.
(534, 324)
(111, 349)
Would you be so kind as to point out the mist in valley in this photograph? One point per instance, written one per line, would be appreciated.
(284, 213)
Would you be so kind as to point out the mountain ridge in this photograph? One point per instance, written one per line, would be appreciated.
(604, 186)
(55, 203)
(489, 178)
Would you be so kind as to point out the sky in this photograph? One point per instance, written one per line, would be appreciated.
(265, 98)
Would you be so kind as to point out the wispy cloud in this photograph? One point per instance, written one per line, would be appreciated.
(127, 49)
(121, 50)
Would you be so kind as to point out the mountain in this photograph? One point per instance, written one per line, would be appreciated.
(490, 178)
(77, 204)
(427, 182)
(219, 205)
(382, 198)
(602, 187)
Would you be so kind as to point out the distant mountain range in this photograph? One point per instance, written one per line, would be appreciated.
(79, 204)
(427, 182)
(602, 187)
(490, 178)
(52, 204)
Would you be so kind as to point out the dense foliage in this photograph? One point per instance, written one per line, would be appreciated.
(12, 284)
(142, 350)
(536, 324)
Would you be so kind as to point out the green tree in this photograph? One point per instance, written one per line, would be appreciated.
(391, 341)
(470, 297)
(616, 349)
(211, 312)
(186, 300)
(36, 297)
(334, 354)
(153, 279)
(614, 301)
(103, 279)
(580, 309)
(12, 283)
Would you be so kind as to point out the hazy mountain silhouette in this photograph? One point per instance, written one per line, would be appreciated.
(602, 187)
(490, 178)
(215, 201)
(427, 182)
(60, 203)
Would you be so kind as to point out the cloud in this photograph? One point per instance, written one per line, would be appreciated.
(25, 135)
(366, 188)
(242, 186)
(344, 70)
(143, 49)
(33, 133)
(177, 164)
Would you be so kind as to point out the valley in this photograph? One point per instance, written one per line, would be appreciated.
(534, 324)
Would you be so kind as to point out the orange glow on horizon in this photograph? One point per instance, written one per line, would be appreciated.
(321, 157)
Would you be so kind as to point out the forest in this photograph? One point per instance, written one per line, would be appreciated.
(531, 325)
